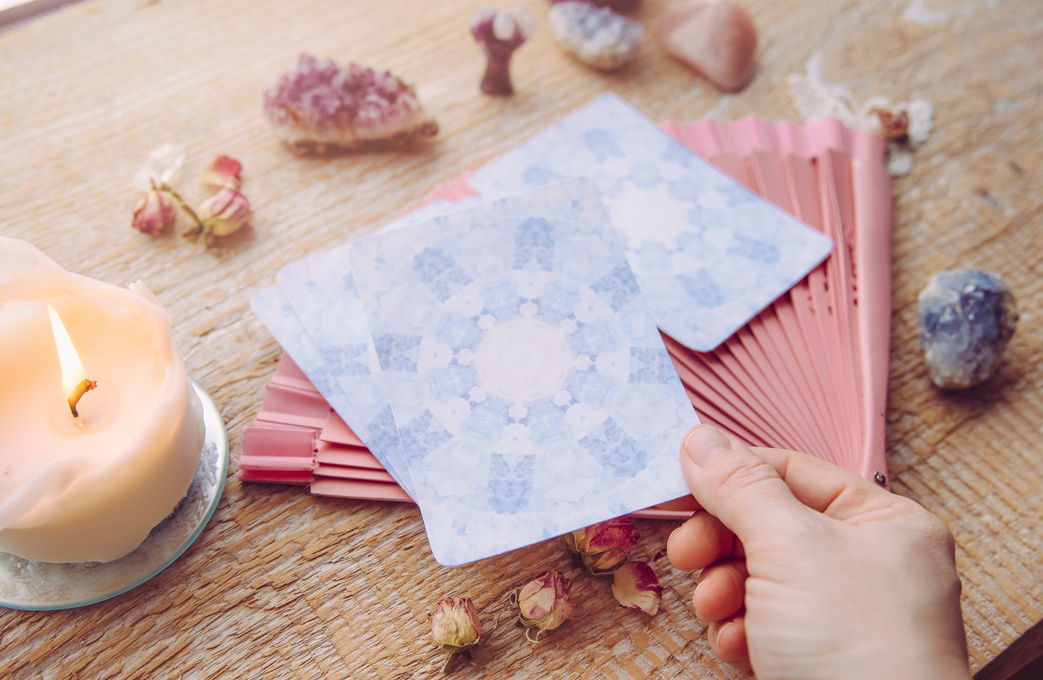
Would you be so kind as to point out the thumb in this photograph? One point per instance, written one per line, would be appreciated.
(736, 486)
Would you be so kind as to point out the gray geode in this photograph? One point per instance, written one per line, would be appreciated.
(597, 36)
(966, 319)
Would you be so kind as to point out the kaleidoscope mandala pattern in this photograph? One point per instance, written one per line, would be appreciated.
(528, 381)
(707, 253)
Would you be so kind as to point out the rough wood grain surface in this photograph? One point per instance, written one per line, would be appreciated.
(282, 584)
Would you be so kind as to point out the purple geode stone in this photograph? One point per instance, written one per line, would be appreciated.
(321, 104)
(966, 319)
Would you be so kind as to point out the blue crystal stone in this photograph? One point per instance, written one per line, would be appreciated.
(966, 319)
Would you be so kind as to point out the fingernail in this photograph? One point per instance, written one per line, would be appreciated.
(703, 443)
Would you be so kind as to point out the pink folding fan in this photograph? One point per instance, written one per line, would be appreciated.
(809, 373)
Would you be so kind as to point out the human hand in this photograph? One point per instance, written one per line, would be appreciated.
(812, 572)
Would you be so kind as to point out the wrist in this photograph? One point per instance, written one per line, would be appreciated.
(914, 665)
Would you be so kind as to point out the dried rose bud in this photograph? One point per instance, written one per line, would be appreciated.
(635, 585)
(544, 603)
(223, 172)
(156, 211)
(456, 629)
(500, 34)
(893, 125)
(455, 626)
(224, 213)
(605, 546)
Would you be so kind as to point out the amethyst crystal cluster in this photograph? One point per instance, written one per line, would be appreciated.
(319, 106)
(966, 319)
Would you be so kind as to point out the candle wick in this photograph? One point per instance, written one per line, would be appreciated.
(82, 388)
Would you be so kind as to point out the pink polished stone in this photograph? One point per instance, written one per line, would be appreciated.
(716, 38)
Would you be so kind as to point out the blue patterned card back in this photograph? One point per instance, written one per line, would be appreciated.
(532, 391)
(708, 253)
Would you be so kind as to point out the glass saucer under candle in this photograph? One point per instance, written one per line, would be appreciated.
(29, 585)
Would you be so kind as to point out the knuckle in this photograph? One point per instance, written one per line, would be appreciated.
(933, 532)
(734, 472)
(938, 532)
(928, 542)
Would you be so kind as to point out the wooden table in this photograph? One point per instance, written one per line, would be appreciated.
(284, 584)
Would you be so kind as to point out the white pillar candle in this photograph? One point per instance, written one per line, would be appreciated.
(88, 489)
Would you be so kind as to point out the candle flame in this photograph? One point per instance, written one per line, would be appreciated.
(72, 368)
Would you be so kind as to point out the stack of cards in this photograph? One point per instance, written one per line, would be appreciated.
(496, 352)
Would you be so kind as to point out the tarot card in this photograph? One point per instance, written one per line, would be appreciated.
(532, 391)
(328, 312)
(707, 253)
(276, 313)
(335, 324)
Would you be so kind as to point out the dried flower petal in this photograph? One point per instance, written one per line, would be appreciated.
(155, 212)
(635, 585)
(455, 626)
(893, 124)
(544, 603)
(605, 546)
(223, 172)
(320, 106)
(456, 630)
(161, 166)
(224, 213)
